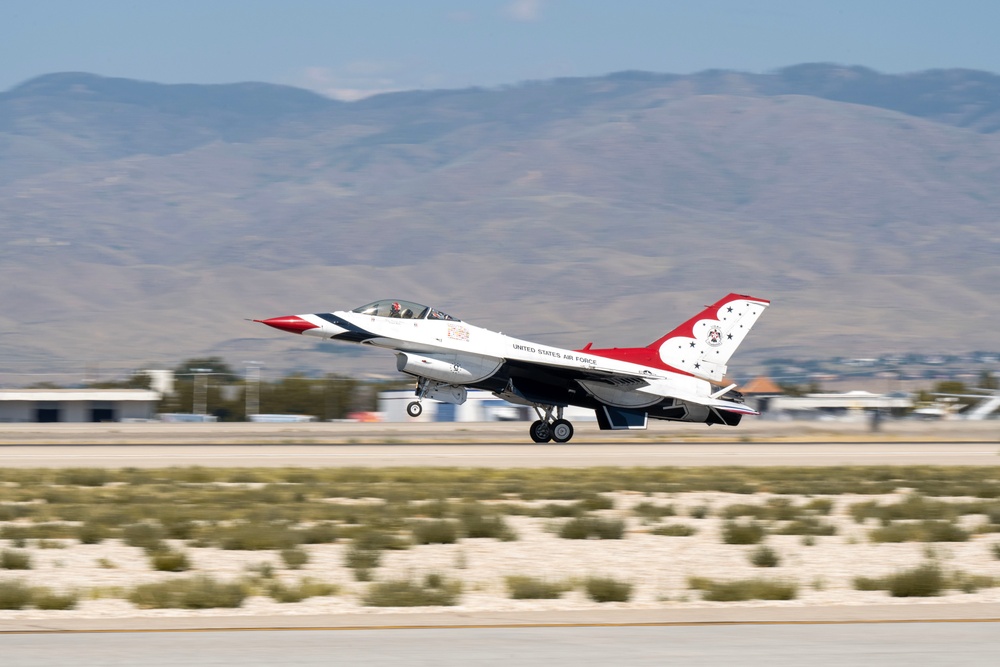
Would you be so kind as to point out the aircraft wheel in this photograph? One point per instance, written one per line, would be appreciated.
(540, 431)
(414, 409)
(562, 430)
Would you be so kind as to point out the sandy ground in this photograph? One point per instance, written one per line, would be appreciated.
(657, 566)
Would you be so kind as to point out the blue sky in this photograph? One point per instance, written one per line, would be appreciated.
(352, 48)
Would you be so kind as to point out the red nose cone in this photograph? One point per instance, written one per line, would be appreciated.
(290, 323)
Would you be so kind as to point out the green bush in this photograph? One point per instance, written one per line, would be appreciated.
(50, 544)
(648, 510)
(92, 533)
(406, 593)
(675, 530)
(43, 598)
(606, 589)
(926, 580)
(145, 536)
(575, 529)
(478, 523)
(263, 570)
(14, 594)
(742, 533)
(558, 511)
(257, 537)
(699, 512)
(83, 477)
(596, 501)
(925, 531)
(970, 583)
(322, 533)
(807, 525)
(764, 556)
(200, 592)
(522, 587)
(362, 561)
(19, 534)
(373, 539)
(440, 531)
(588, 527)
(169, 560)
(869, 584)
(744, 589)
(923, 581)
(913, 507)
(15, 560)
(294, 557)
(306, 588)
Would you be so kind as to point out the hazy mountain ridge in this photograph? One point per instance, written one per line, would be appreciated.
(143, 221)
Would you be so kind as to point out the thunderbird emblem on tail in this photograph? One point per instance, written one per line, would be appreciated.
(669, 379)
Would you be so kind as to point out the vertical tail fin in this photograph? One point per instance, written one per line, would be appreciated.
(703, 345)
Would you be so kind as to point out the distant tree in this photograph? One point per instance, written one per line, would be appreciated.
(950, 387)
(987, 381)
(137, 380)
(800, 389)
(954, 387)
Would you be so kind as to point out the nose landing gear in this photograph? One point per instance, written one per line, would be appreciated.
(547, 429)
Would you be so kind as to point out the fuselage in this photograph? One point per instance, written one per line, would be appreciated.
(484, 359)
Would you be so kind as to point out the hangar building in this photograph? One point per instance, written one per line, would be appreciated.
(77, 405)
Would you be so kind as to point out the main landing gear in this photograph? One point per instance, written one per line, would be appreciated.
(547, 429)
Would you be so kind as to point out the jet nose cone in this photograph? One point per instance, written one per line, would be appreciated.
(290, 323)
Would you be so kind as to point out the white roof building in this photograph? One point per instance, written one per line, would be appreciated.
(77, 405)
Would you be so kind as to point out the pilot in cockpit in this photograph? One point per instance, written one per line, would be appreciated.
(394, 311)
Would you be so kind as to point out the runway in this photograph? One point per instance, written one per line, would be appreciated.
(903, 644)
(501, 455)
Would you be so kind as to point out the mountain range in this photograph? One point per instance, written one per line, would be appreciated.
(140, 223)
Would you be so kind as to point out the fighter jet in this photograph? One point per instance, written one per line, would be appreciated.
(674, 378)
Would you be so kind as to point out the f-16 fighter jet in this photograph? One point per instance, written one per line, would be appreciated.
(675, 378)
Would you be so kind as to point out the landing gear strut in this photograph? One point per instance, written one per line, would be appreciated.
(546, 428)
(416, 408)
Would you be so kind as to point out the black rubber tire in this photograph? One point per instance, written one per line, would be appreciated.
(414, 409)
(562, 430)
(540, 431)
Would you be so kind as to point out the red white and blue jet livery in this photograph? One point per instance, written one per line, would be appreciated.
(671, 378)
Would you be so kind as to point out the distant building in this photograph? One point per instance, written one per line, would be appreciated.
(851, 404)
(759, 392)
(77, 405)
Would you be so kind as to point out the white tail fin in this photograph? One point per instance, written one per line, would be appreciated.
(703, 345)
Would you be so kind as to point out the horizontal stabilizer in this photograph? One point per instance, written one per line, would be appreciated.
(668, 390)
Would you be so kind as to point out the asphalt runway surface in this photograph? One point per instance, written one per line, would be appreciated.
(817, 645)
(495, 455)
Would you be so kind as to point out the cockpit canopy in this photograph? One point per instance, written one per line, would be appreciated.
(406, 310)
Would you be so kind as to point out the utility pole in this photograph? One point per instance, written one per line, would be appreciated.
(199, 399)
(252, 388)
